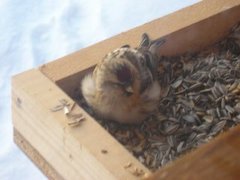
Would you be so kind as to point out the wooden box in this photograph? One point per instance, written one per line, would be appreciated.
(64, 152)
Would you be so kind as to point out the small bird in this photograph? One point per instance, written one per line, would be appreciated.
(123, 86)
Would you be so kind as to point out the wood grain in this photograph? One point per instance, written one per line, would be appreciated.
(35, 156)
(89, 56)
(73, 152)
(188, 30)
(219, 159)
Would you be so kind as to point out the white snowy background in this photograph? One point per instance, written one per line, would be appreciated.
(36, 32)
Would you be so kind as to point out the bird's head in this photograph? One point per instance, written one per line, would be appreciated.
(127, 70)
(117, 75)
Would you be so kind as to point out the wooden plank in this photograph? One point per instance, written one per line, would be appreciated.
(73, 152)
(35, 156)
(187, 30)
(163, 26)
(218, 159)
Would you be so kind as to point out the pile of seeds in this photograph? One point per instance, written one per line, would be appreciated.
(201, 99)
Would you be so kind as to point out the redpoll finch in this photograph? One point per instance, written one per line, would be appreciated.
(123, 86)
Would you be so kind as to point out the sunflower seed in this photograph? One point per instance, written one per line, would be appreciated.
(200, 98)
(218, 127)
(177, 83)
(230, 109)
(208, 118)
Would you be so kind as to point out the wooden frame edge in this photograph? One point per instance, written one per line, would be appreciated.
(35, 156)
(164, 26)
(74, 152)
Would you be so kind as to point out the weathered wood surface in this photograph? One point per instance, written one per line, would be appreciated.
(35, 156)
(189, 29)
(72, 152)
(182, 19)
(63, 152)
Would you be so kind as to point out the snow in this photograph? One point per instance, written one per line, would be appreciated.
(35, 32)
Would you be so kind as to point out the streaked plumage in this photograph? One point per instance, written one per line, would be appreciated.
(123, 86)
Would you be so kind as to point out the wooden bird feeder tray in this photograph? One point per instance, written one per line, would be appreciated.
(88, 151)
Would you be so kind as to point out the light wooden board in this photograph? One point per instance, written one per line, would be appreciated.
(89, 56)
(35, 156)
(189, 29)
(73, 152)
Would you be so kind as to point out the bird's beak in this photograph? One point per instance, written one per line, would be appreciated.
(129, 89)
